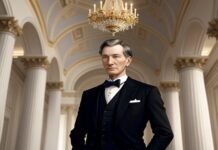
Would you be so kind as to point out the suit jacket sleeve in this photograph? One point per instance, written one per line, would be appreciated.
(78, 134)
(159, 122)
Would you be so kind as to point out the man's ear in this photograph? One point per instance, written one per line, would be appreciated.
(129, 60)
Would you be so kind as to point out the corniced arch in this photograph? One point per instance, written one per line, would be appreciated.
(53, 71)
(32, 44)
(193, 39)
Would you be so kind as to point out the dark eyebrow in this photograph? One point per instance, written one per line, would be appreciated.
(116, 55)
(111, 55)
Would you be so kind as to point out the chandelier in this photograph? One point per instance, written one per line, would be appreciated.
(113, 16)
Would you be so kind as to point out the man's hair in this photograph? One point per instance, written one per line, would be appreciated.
(112, 42)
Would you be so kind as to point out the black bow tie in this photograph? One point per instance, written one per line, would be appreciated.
(112, 83)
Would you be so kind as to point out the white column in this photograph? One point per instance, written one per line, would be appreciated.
(9, 29)
(197, 126)
(69, 126)
(29, 132)
(63, 129)
(53, 119)
(171, 99)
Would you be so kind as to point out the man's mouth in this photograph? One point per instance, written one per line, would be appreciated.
(110, 68)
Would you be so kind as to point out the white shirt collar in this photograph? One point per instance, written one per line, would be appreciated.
(122, 78)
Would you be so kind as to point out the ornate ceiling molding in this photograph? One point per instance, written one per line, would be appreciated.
(42, 22)
(53, 42)
(9, 24)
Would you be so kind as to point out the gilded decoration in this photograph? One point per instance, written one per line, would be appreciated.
(184, 62)
(212, 30)
(9, 24)
(54, 85)
(35, 61)
(169, 85)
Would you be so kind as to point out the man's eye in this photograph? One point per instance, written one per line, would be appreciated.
(116, 56)
(104, 57)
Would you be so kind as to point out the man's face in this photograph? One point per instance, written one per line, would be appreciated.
(114, 61)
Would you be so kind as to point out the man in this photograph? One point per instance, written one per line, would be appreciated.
(113, 115)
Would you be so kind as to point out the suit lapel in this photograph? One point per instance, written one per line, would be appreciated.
(126, 94)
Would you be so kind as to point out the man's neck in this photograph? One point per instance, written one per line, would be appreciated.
(119, 77)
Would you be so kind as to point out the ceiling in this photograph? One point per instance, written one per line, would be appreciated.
(65, 26)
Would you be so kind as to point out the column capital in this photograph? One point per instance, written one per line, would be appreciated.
(166, 85)
(35, 61)
(185, 62)
(212, 30)
(9, 24)
(54, 85)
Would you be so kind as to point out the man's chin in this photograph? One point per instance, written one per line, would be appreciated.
(111, 74)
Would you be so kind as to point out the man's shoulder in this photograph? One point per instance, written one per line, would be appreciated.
(142, 84)
(94, 89)
(144, 87)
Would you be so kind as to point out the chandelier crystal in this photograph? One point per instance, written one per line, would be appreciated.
(113, 16)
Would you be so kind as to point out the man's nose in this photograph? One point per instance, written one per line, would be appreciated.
(110, 60)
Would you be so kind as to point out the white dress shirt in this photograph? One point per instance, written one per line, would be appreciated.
(111, 91)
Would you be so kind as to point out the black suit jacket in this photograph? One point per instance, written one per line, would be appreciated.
(130, 118)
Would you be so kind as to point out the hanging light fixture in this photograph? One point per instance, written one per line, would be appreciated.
(113, 16)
